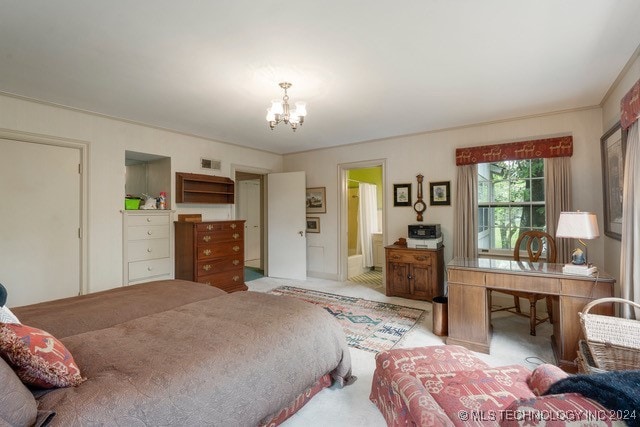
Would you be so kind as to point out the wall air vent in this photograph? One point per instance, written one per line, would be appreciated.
(210, 164)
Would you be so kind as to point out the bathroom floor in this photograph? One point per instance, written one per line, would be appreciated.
(373, 277)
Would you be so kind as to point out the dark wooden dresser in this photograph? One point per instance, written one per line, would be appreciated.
(212, 253)
(414, 273)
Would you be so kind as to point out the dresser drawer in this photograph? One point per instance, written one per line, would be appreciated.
(135, 220)
(413, 257)
(148, 249)
(148, 232)
(220, 250)
(205, 237)
(224, 279)
(219, 227)
(143, 269)
(220, 264)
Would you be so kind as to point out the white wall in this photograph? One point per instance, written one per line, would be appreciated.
(433, 155)
(107, 140)
(610, 116)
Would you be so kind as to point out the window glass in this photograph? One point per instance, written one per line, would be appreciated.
(510, 201)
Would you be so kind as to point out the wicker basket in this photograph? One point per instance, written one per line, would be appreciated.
(585, 362)
(614, 343)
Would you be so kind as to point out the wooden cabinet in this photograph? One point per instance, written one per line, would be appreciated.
(212, 253)
(147, 245)
(198, 188)
(414, 273)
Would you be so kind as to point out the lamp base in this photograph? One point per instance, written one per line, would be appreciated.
(580, 270)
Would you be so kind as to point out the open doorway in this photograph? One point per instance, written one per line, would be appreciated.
(363, 214)
(249, 207)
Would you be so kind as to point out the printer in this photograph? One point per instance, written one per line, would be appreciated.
(426, 236)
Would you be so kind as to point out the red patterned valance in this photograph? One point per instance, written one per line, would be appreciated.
(538, 148)
(630, 106)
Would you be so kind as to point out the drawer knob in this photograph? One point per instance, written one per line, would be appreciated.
(149, 232)
(233, 226)
(236, 248)
(395, 256)
(207, 252)
(207, 283)
(206, 238)
(148, 219)
(236, 235)
(149, 268)
(210, 227)
(421, 258)
(236, 261)
(206, 267)
(236, 278)
(149, 250)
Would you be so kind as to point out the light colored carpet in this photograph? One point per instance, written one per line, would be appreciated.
(350, 406)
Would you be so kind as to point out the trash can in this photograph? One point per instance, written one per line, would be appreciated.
(440, 316)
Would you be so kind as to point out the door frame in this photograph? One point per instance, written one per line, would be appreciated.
(83, 148)
(343, 206)
(264, 232)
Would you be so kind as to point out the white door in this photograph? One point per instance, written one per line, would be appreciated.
(39, 221)
(249, 210)
(287, 248)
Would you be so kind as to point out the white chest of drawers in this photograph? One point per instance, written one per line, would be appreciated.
(147, 246)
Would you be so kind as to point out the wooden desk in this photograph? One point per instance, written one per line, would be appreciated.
(470, 314)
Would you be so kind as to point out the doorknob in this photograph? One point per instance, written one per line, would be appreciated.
(301, 233)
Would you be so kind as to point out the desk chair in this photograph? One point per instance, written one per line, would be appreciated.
(532, 239)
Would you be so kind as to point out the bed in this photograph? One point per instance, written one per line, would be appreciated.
(175, 352)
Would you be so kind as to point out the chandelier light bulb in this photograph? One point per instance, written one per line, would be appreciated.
(301, 108)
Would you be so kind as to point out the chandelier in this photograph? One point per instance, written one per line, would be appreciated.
(280, 111)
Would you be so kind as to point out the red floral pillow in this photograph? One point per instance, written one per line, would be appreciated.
(38, 358)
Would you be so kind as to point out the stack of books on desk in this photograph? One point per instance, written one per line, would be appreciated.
(581, 270)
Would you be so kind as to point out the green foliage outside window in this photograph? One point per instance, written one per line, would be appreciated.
(510, 201)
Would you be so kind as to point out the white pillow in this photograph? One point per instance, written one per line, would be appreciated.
(6, 316)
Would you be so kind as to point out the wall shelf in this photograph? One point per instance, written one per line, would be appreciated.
(198, 188)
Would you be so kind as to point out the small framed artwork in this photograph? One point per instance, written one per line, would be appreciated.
(613, 149)
(440, 193)
(316, 200)
(313, 224)
(402, 194)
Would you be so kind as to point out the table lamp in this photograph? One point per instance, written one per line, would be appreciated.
(578, 225)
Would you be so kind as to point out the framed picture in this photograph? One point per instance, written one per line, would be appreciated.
(313, 224)
(613, 147)
(440, 193)
(401, 194)
(316, 200)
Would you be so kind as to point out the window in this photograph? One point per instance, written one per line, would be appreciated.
(510, 201)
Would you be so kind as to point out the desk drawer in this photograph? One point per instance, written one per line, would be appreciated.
(524, 283)
(148, 249)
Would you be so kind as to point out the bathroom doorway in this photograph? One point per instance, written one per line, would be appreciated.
(363, 222)
(249, 207)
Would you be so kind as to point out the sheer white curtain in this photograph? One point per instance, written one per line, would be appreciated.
(367, 221)
(557, 188)
(630, 253)
(465, 231)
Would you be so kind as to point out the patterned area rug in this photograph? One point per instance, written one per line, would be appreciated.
(372, 277)
(369, 325)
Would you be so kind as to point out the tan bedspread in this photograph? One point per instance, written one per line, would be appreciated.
(229, 360)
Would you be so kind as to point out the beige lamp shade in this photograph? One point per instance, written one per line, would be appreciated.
(578, 225)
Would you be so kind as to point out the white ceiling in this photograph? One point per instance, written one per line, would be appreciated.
(367, 69)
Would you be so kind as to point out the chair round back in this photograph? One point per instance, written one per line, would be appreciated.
(538, 240)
